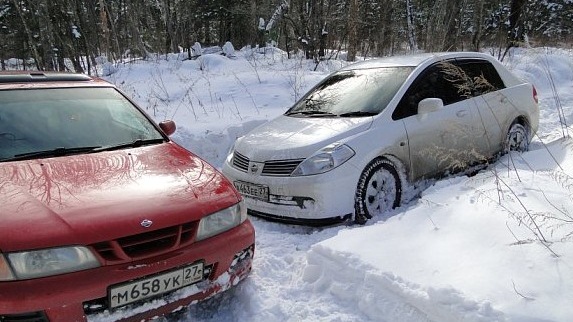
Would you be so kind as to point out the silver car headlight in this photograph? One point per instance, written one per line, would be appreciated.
(47, 262)
(324, 160)
(221, 221)
(231, 152)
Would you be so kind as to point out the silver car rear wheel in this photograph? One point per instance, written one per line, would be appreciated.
(517, 138)
(379, 189)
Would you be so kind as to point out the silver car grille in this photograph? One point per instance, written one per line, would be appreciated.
(240, 162)
(270, 168)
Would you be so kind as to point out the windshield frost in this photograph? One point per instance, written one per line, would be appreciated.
(361, 91)
(34, 120)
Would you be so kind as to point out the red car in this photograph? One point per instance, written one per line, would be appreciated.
(101, 215)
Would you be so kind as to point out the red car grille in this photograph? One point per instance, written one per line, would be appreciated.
(147, 244)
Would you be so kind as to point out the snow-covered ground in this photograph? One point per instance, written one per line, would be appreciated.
(497, 246)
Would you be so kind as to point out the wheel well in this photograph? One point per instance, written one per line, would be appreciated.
(525, 122)
(401, 169)
(398, 165)
(521, 120)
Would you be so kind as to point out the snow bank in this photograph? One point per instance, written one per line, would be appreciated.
(487, 246)
(386, 296)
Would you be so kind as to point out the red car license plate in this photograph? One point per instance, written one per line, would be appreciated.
(155, 285)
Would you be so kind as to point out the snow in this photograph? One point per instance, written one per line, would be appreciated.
(75, 32)
(497, 246)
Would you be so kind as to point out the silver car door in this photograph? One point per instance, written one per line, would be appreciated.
(449, 137)
(496, 104)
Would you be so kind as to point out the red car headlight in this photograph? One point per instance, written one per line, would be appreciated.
(50, 261)
(5, 271)
(221, 221)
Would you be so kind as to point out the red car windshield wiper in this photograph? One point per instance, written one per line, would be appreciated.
(133, 144)
(57, 152)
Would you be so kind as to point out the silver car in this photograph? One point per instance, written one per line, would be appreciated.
(357, 142)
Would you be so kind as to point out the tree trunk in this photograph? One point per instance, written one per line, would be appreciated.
(477, 24)
(31, 42)
(515, 35)
(321, 31)
(104, 39)
(352, 30)
(114, 35)
(515, 32)
(435, 27)
(170, 40)
(49, 49)
(452, 30)
(411, 26)
(136, 34)
(386, 31)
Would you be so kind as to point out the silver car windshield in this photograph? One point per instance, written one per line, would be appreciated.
(52, 122)
(360, 92)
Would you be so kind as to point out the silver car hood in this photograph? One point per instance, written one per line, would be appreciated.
(297, 137)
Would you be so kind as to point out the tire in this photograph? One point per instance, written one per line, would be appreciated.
(379, 189)
(517, 138)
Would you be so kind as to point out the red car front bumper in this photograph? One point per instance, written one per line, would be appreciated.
(82, 295)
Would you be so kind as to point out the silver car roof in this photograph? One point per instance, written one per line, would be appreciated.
(414, 60)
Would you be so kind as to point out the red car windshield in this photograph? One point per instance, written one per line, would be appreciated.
(67, 121)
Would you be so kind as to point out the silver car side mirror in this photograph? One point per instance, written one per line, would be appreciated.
(428, 105)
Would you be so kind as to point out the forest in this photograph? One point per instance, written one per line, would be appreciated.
(47, 34)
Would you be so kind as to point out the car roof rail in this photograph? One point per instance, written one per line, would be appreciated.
(31, 77)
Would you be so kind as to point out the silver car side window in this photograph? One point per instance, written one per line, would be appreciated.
(435, 82)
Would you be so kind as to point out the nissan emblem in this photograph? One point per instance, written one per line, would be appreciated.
(146, 223)
(254, 168)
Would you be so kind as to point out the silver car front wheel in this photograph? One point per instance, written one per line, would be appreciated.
(379, 189)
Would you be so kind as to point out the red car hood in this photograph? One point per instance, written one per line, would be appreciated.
(89, 198)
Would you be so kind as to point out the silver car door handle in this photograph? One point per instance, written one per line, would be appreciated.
(463, 113)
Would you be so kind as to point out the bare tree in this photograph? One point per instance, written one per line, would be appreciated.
(477, 23)
(413, 44)
(53, 31)
(451, 25)
(29, 35)
(516, 32)
(352, 30)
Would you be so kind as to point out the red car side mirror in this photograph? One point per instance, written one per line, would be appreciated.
(168, 127)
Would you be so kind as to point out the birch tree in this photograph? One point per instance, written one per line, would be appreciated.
(411, 31)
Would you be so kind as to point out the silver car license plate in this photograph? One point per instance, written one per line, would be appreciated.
(155, 285)
(252, 190)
